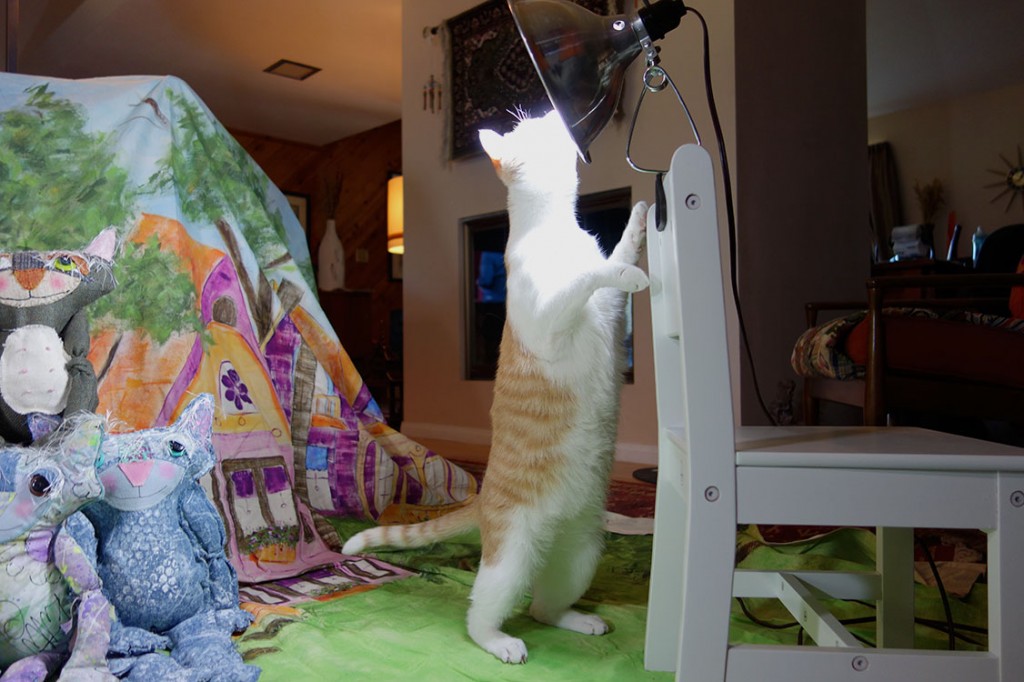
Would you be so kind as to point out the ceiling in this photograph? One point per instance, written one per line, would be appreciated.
(921, 51)
(918, 51)
(221, 47)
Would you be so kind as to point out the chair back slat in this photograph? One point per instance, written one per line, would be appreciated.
(688, 312)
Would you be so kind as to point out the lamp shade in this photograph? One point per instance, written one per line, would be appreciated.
(581, 58)
(396, 215)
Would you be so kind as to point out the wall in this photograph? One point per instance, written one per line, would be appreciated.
(361, 164)
(801, 169)
(790, 83)
(439, 402)
(957, 141)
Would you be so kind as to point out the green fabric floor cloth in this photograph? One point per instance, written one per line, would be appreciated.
(414, 629)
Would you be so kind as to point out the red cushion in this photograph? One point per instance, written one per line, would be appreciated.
(857, 343)
(945, 347)
(1017, 295)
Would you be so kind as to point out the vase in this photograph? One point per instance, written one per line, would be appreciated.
(331, 260)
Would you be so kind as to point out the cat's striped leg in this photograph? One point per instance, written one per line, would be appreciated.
(566, 575)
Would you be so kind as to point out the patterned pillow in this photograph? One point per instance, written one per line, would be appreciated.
(819, 350)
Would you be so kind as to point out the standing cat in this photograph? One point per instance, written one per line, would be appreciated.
(556, 399)
(44, 334)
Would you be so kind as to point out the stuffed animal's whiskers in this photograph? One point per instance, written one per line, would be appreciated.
(556, 399)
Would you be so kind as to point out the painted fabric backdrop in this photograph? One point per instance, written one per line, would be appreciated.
(215, 294)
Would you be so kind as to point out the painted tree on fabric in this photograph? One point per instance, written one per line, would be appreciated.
(154, 294)
(216, 181)
(60, 185)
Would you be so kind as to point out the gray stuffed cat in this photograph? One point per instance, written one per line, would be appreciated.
(44, 334)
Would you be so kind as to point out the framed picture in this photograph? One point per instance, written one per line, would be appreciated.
(484, 238)
(491, 72)
(300, 205)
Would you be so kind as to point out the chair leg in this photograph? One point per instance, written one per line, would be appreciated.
(895, 562)
(664, 608)
(707, 588)
(811, 406)
(1006, 578)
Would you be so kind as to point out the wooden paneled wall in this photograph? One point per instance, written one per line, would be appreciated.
(360, 164)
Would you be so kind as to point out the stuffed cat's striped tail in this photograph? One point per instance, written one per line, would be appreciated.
(416, 534)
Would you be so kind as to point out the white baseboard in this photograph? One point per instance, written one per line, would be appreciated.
(459, 434)
(634, 453)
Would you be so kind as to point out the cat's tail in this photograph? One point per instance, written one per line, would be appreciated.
(417, 534)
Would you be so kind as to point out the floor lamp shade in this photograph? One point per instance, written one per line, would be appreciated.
(396, 215)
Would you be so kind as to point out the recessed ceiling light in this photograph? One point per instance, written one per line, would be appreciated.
(290, 69)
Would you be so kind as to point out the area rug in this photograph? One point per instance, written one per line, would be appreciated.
(628, 498)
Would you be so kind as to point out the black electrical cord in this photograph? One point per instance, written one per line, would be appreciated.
(787, 625)
(730, 213)
(941, 626)
(949, 626)
(942, 592)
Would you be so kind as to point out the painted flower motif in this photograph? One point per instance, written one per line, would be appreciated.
(235, 390)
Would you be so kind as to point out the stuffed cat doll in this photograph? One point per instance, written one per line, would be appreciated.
(55, 618)
(556, 397)
(160, 553)
(44, 334)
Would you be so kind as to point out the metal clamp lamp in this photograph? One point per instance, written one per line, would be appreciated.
(582, 58)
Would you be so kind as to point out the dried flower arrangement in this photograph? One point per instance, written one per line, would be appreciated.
(930, 198)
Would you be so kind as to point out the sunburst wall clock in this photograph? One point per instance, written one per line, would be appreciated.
(1012, 182)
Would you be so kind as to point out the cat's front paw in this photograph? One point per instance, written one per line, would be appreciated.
(632, 279)
(638, 219)
(631, 245)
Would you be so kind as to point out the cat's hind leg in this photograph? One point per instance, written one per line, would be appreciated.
(498, 587)
(566, 575)
(631, 244)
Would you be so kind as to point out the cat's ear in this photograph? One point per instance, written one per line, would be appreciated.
(196, 420)
(493, 144)
(81, 446)
(103, 245)
(198, 416)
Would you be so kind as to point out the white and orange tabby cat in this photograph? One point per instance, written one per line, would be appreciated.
(556, 399)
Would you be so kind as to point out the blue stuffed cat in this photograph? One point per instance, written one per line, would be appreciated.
(160, 554)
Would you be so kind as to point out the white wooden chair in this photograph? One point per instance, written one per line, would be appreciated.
(713, 477)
